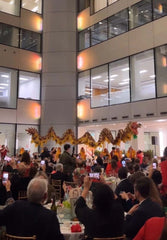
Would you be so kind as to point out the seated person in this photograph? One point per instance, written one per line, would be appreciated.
(107, 216)
(140, 213)
(28, 218)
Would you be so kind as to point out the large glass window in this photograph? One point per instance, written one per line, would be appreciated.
(99, 4)
(99, 86)
(32, 5)
(84, 90)
(161, 70)
(30, 41)
(118, 23)
(140, 13)
(7, 137)
(84, 39)
(112, 1)
(160, 8)
(8, 88)
(82, 4)
(9, 35)
(119, 81)
(99, 32)
(10, 6)
(142, 76)
(29, 85)
(23, 140)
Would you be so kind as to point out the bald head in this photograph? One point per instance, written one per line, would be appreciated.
(37, 190)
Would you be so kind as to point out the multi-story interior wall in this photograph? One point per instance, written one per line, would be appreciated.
(20, 72)
(59, 67)
(105, 54)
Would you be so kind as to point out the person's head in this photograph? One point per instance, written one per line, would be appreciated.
(25, 158)
(67, 147)
(156, 177)
(122, 173)
(59, 167)
(136, 167)
(115, 157)
(114, 164)
(135, 176)
(41, 175)
(142, 188)
(130, 168)
(103, 197)
(37, 190)
(165, 152)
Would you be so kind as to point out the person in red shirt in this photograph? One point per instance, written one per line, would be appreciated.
(3, 151)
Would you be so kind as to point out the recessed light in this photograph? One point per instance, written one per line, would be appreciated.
(124, 69)
(5, 76)
(97, 77)
(115, 75)
(143, 71)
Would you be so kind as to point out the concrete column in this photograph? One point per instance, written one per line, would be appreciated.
(59, 66)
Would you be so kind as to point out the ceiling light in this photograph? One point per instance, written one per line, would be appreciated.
(152, 76)
(24, 79)
(112, 79)
(123, 83)
(5, 76)
(143, 71)
(161, 120)
(97, 77)
(4, 84)
(106, 80)
(125, 80)
(35, 9)
(100, 23)
(115, 75)
(2, 87)
(125, 69)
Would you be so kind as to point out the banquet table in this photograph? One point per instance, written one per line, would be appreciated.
(68, 235)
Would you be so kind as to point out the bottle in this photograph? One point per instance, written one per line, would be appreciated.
(53, 207)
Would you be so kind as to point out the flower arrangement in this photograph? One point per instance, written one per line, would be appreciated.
(125, 135)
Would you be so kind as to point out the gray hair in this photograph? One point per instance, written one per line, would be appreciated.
(59, 166)
(36, 190)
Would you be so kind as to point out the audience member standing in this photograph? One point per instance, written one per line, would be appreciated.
(69, 163)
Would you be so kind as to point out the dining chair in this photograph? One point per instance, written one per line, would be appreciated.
(72, 184)
(123, 237)
(12, 237)
(57, 185)
(22, 195)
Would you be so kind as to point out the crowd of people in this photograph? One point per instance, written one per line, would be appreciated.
(137, 204)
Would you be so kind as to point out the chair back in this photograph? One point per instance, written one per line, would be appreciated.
(72, 184)
(22, 195)
(12, 237)
(57, 185)
(123, 237)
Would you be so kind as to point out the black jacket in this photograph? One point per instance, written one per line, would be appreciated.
(23, 218)
(147, 209)
(98, 225)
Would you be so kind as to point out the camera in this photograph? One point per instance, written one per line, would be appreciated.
(5, 177)
(94, 175)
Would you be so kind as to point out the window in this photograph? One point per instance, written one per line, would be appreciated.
(160, 8)
(84, 39)
(119, 81)
(161, 70)
(99, 32)
(99, 86)
(142, 76)
(10, 6)
(140, 13)
(8, 88)
(29, 85)
(83, 4)
(23, 140)
(9, 35)
(84, 90)
(99, 4)
(118, 23)
(32, 5)
(30, 41)
(111, 1)
(7, 137)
